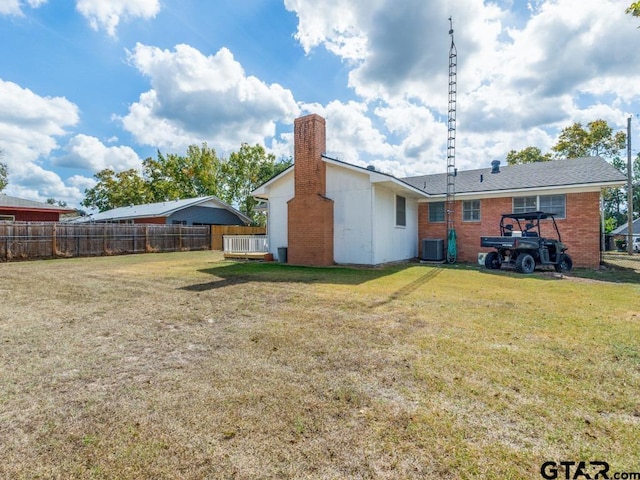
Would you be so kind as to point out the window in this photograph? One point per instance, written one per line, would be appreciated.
(436, 212)
(525, 204)
(544, 203)
(471, 211)
(401, 211)
(7, 218)
(553, 204)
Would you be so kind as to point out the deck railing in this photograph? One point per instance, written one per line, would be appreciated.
(246, 243)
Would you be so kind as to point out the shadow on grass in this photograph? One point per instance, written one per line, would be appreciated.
(606, 273)
(410, 287)
(235, 273)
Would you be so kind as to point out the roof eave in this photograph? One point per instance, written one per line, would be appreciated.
(577, 188)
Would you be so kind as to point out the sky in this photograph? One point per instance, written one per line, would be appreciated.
(93, 84)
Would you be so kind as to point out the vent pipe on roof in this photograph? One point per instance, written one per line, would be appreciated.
(495, 166)
(371, 168)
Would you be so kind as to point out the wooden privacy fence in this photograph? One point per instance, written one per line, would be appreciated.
(218, 231)
(48, 240)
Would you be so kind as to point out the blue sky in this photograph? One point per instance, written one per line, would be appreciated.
(90, 84)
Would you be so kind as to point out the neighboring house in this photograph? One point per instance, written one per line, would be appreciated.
(327, 211)
(191, 211)
(22, 210)
(623, 230)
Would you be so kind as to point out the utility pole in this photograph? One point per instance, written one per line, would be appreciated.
(629, 191)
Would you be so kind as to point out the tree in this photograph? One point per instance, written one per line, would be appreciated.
(117, 190)
(634, 9)
(4, 173)
(53, 201)
(527, 155)
(597, 140)
(619, 195)
(244, 171)
(173, 176)
(199, 173)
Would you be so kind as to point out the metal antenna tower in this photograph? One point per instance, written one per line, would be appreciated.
(451, 148)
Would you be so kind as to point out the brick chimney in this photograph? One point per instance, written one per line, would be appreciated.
(310, 212)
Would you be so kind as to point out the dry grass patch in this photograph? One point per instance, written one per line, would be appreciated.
(186, 366)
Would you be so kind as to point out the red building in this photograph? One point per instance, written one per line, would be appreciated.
(14, 209)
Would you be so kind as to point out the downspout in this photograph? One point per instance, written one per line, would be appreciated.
(373, 229)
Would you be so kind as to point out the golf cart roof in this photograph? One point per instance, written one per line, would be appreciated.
(528, 215)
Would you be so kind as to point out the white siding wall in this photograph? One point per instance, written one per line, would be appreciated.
(394, 243)
(280, 192)
(364, 214)
(351, 193)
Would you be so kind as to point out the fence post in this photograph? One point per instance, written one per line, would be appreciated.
(54, 243)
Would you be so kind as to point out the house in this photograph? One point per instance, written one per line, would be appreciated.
(326, 211)
(570, 188)
(208, 210)
(620, 236)
(623, 230)
(22, 210)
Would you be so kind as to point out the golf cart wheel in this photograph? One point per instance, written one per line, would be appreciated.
(565, 264)
(492, 261)
(525, 263)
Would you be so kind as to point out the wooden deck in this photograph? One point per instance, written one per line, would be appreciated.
(246, 255)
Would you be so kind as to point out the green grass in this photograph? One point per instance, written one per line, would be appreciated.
(186, 366)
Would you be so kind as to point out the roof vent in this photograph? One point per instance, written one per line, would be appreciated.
(495, 166)
(371, 168)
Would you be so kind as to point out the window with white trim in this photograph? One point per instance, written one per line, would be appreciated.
(436, 212)
(553, 204)
(7, 218)
(544, 203)
(471, 211)
(401, 211)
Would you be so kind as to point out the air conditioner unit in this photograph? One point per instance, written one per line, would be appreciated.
(432, 249)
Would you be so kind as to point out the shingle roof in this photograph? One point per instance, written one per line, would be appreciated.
(624, 229)
(557, 173)
(160, 209)
(24, 204)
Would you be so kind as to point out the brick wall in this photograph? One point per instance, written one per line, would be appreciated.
(580, 230)
(310, 212)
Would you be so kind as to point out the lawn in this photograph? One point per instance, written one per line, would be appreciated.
(184, 366)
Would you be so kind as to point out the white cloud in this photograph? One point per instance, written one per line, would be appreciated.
(90, 153)
(29, 127)
(14, 7)
(196, 98)
(29, 123)
(337, 24)
(522, 75)
(351, 135)
(107, 14)
(80, 182)
(36, 183)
